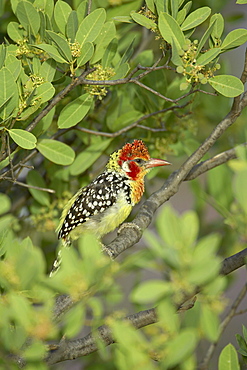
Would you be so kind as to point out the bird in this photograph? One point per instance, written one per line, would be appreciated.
(107, 201)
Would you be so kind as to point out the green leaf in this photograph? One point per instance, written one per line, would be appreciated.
(208, 56)
(170, 30)
(205, 37)
(229, 86)
(62, 11)
(123, 19)
(72, 26)
(75, 111)
(176, 59)
(195, 18)
(181, 16)
(234, 39)
(189, 227)
(62, 45)
(241, 2)
(174, 8)
(185, 341)
(187, 7)
(228, 359)
(76, 314)
(203, 272)
(52, 51)
(210, 323)
(82, 10)
(48, 69)
(150, 5)
(106, 35)
(206, 248)
(239, 186)
(13, 65)
(127, 54)
(44, 92)
(171, 234)
(45, 6)
(109, 53)
(161, 6)
(29, 111)
(125, 119)
(56, 151)
(86, 158)
(245, 335)
(91, 26)
(28, 16)
(44, 123)
(150, 291)
(23, 138)
(218, 26)
(222, 194)
(15, 32)
(36, 66)
(35, 352)
(3, 50)
(34, 178)
(8, 93)
(5, 203)
(242, 344)
(142, 20)
(87, 51)
(121, 71)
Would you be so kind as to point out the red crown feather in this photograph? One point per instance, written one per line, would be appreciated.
(137, 149)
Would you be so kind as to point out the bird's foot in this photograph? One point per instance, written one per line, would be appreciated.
(108, 251)
(129, 225)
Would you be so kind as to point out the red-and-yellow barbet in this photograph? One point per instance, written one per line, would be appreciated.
(107, 201)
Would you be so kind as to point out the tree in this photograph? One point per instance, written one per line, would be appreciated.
(77, 80)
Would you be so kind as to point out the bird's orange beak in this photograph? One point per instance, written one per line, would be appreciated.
(153, 162)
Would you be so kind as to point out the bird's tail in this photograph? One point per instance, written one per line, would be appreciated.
(57, 263)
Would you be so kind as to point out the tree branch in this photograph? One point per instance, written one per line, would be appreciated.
(71, 349)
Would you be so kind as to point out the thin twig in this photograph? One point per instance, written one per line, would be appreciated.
(137, 82)
(240, 312)
(210, 163)
(89, 7)
(21, 163)
(29, 186)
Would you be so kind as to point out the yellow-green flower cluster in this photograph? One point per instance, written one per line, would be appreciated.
(193, 71)
(100, 74)
(75, 48)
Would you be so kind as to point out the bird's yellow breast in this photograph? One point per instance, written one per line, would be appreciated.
(105, 222)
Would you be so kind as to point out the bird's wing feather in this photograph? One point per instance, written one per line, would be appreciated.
(93, 199)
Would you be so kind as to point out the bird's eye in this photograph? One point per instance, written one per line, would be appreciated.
(138, 160)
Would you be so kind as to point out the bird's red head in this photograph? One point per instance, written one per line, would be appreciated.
(135, 160)
(137, 149)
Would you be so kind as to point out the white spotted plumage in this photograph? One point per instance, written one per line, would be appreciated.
(90, 204)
